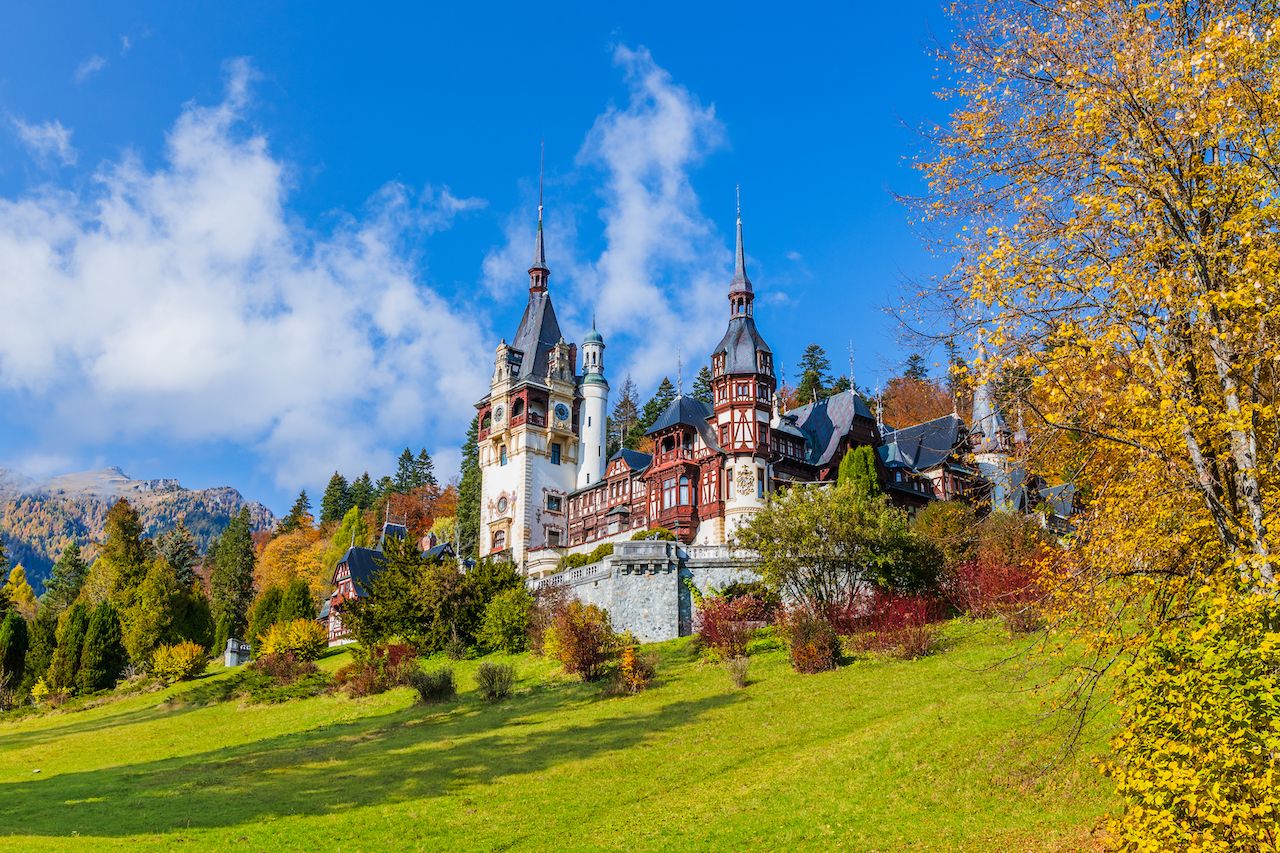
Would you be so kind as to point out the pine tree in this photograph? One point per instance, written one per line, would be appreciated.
(702, 389)
(384, 486)
(425, 469)
(13, 649)
(231, 584)
(103, 657)
(265, 613)
(124, 552)
(70, 642)
(299, 515)
(21, 596)
(622, 421)
(44, 640)
(178, 548)
(858, 470)
(152, 620)
(814, 375)
(469, 494)
(67, 579)
(297, 602)
(406, 472)
(653, 409)
(916, 368)
(362, 493)
(841, 385)
(336, 500)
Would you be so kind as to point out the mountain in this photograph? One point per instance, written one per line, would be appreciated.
(38, 519)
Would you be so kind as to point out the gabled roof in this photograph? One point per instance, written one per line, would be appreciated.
(439, 552)
(686, 410)
(635, 460)
(537, 334)
(826, 422)
(924, 445)
(740, 344)
(363, 563)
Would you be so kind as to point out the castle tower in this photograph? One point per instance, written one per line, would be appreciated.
(528, 430)
(991, 441)
(743, 382)
(595, 408)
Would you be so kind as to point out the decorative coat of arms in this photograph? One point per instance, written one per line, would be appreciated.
(746, 480)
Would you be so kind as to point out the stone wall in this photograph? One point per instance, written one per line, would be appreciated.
(643, 584)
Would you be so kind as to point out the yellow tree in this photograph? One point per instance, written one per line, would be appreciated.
(289, 556)
(1112, 178)
(21, 593)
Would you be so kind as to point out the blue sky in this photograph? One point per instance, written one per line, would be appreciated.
(247, 243)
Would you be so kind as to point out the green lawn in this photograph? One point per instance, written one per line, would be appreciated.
(942, 753)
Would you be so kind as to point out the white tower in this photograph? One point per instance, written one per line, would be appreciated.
(595, 408)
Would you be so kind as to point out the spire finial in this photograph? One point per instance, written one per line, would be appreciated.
(679, 371)
(737, 188)
(539, 272)
(852, 385)
(740, 281)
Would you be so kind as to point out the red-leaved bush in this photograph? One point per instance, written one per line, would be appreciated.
(901, 625)
(725, 624)
(385, 667)
(813, 642)
(988, 587)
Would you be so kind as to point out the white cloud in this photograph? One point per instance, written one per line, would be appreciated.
(183, 301)
(126, 44)
(47, 141)
(665, 268)
(90, 67)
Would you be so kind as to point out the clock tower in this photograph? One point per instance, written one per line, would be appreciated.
(529, 432)
(743, 385)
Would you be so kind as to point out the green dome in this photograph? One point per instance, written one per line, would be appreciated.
(593, 337)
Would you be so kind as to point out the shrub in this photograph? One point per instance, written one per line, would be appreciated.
(39, 691)
(600, 552)
(814, 644)
(635, 671)
(986, 587)
(283, 667)
(654, 533)
(179, 662)
(1195, 757)
(572, 561)
(548, 600)
(737, 668)
(769, 602)
(901, 625)
(494, 680)
(725, 625)
(382, 669)
(584, 640)
(506, 620)
(454, 648)
(305, 639)
(433, 687)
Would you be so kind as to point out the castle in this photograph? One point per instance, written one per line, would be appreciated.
(548, 488)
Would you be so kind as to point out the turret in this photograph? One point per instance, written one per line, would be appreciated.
(595, 407)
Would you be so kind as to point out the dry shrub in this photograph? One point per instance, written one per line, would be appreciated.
(988, 587)
(305, 639)
(581, 638)
(737, 668)
(283, 668)
(494, 680)
(635, 670)
(813, 642)
(384, 668)
(548, 600)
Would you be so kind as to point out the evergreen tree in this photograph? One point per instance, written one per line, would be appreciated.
(22, 597)
(299, 515)
(858, 470)
(840, 386)
(44, 640)
(66, 581)
(13, 648)
(814, 375)
(622, 422)
(425, 469)
(384, 486)
(362, 492)
(336, 500)
(297, 602)
(916, 368)
(70, 642)
(265, 613)
(152, 620)
(178, 548)
(469, 494)
(231, 584)
(103, 657)
(406, 472)
(702, 389)
(653, 409)
(124, 552)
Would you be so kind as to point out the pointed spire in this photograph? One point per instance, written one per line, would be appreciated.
(740, 280)
(538, 272)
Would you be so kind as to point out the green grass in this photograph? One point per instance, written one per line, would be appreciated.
(942, 753)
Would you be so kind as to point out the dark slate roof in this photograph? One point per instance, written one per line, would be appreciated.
(363, 563)
(740, 344)
(439, 552)
(827, 421)
(684, 409)
(925, 445)
(635, 460)
(324, 610)
(537, 334)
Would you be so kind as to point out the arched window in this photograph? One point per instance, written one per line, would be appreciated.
(487, 422)
(684, 491)
(517, 408)
(499, 540)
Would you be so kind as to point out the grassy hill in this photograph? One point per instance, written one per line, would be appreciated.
(942, 753)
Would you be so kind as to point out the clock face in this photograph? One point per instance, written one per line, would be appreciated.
(562, 412)
(498, 413)
(502, 504)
